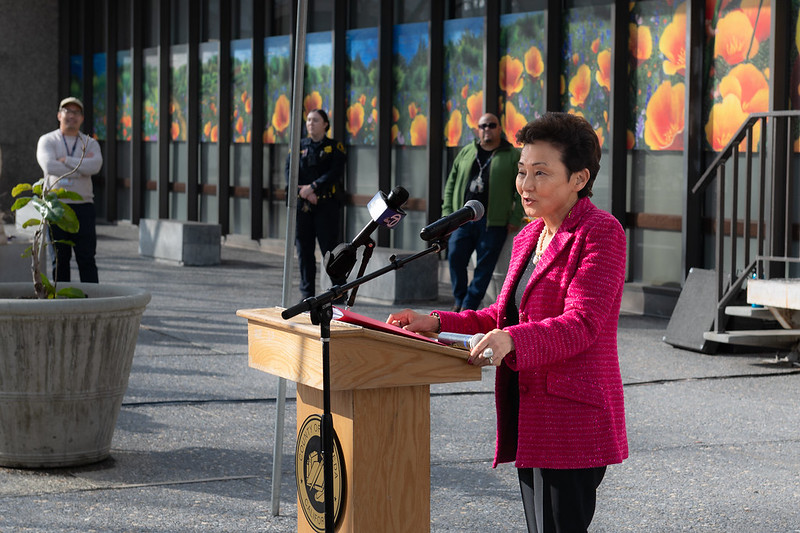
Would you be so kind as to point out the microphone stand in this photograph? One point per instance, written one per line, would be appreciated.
(365, 257)
(321, 310)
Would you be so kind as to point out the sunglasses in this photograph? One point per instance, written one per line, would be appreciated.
(488, 126)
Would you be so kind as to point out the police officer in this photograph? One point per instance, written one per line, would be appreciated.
(320, 195)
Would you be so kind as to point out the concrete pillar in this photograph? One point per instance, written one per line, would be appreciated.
(28, 89)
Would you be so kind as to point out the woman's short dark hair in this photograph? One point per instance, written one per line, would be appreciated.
(323, 115)
(573, 136)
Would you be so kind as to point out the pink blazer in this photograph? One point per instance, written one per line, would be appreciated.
(559, 394)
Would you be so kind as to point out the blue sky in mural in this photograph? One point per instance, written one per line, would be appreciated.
(363, 42)
(455, 28)
(319, 49)
(277, 46)
(240, 49)
(408, 38)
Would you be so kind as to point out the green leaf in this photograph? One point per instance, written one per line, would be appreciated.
(48, 287)
(70, 292)
(69, 195)
(19, 203)
(31, 222)
(68, 220)
(20, 188)
(27, 252)
(37, 188)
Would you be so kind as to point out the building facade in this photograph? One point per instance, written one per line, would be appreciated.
(192, 101)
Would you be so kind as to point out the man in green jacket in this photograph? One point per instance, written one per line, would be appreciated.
(484, 170)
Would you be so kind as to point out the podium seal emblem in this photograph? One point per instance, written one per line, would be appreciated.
(309, 474)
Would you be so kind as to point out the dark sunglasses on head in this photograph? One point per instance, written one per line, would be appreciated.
(488, 126)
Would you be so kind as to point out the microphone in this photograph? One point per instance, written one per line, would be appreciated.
(384, 211)
(472, 210)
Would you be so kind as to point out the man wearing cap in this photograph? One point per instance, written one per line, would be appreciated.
(59, 153)
(484, 170)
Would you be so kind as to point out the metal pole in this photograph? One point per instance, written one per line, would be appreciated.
(288, 255)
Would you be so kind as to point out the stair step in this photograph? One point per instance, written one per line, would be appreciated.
(749, 312)
(770, 338)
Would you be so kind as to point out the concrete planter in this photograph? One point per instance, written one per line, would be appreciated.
(64, 367)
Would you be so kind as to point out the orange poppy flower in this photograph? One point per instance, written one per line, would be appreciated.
(664, 117)
(312, 101)
(630, 140)
(562, 84)
(759, 20)
(512, 121)
(464, 90)
(603, 74)
(453, 128)
(362, 99)
(534, 65)
(413, 110)
(374, 101)
(724, 120)
(239, 125)
(640, 42)
(175, 131)
(395, 131)
(269, 136)
(239, 139)
(579, 86)
(374, 116)
(419, 131)
(214, 134)
(749, 85)
(395, 114)
(213, 107)
(449, 106)
(248, 137)
(474, 109)
(600, 138)
(734, 38)
(280, 117)
(207, 129)
(248, 105)
(355, 118)
(510, 75)
(127, 121)
(596, 45)
(673, 44)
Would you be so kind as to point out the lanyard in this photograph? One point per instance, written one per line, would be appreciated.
(70, 152)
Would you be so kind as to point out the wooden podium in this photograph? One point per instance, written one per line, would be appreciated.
(380, 402)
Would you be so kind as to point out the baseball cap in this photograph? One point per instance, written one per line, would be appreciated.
(71, 100)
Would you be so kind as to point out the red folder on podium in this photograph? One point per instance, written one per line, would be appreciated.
(344, 315)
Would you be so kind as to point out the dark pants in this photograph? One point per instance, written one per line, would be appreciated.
(559, 501)
(85, 246)
(487, 243)
(320, 224)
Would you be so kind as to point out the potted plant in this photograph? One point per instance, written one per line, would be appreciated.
(65, 353)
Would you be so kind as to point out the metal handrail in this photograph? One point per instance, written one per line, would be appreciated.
(779, 210)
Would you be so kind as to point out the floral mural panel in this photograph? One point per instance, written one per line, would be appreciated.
(209, 92)
(124, 96)
(150, 93)
(463, 79)
(737, 59)
(523, 49)
(410, 107)
(585, 80)
(318, 85)
(657, 53)
(362, 87)
(277, 92)
(99, 80)
(794, 61)
(241, 91)
(179, 100)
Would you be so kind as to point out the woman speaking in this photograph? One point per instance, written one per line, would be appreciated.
(552, 333)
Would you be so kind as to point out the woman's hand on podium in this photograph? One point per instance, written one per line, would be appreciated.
(413, 321)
